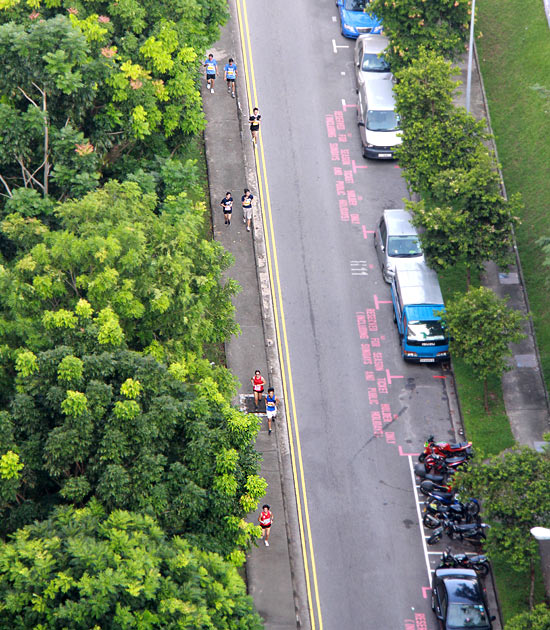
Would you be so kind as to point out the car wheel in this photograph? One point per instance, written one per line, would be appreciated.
(433, 601)
(482, 569)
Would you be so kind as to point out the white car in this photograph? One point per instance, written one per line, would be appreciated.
(368, 59)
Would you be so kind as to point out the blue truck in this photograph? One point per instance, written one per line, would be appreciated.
(417, 299)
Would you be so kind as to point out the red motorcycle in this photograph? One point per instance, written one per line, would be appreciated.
(439, 465)
(445, 449)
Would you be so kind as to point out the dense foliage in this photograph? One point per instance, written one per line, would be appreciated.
(84, 570)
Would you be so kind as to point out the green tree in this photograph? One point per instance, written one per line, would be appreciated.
(425, 89)
(482, 327)
(46, 85)
(82, 569)
(154, 272)
(439, 25)
(465, 219)
(135, 434)
(432, 146)
(536, 619)
(514, 489)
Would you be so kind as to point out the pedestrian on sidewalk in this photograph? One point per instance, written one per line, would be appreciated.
(227, 204)
(258, 383)
(230, 73)
(271, 404)
(211, 66)
(246, 201)
(266, 521)
(254, 121)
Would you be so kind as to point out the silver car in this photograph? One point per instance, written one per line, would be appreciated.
(395, 239)
(369, 64)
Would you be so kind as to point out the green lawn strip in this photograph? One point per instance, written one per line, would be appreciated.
(489, 433)
(515, 60)
(513, 588)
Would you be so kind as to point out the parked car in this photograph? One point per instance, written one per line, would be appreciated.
(355, 19)
(369, 59)
(377, 119)
(395, 238)
(458, 600)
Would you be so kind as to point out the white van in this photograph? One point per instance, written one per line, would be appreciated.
(377, 119)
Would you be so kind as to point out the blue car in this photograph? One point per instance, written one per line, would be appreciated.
(355, 18)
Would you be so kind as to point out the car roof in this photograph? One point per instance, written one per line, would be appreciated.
(418, 285)
(373, 43)
(379, 94)
(399, 223)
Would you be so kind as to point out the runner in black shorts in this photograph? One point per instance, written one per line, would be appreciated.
(230, 73)
(211, 66)
(227, 204)
(254, 121)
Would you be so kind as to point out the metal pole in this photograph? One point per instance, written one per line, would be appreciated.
(542, 534)
(470, 55)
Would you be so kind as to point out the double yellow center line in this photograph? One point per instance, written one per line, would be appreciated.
(282, 340)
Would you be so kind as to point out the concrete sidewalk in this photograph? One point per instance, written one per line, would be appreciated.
(276, 577)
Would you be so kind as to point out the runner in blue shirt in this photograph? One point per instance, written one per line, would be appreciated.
(211, 66)
(230, 70)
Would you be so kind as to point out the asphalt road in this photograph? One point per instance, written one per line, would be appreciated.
(360, 408)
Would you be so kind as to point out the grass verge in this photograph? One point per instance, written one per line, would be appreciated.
(491, 432)
(514, 53)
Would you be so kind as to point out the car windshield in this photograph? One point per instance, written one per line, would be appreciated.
(423, 331)
(374, 63)
(382, 120)
(356, 5)
(404, 246)
(467, 616)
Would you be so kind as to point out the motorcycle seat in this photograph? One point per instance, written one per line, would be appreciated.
(458, 445)
(467, 527)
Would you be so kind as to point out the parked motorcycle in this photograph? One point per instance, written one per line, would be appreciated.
(445, 449)
(436, 464)
(421, 472)
(474, 533)
(479, 563)
(435, 513)
(428, 487)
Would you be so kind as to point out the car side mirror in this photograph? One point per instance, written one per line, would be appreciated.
(382, 248)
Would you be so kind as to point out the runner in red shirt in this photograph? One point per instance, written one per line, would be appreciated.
(266, 520)
(258, 383)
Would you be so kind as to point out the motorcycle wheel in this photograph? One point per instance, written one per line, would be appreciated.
(434, 538)
(482, 569)
(430, 522)
(421, 457)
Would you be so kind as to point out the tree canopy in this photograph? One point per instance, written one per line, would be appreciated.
(85, 570)
(126, 429)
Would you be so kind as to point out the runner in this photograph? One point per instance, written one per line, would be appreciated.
(211, 66)
(227, 204)
(258, 383)
(230, 73)
(271, 404)
(246, 201)
(266, 521)
(254, 121)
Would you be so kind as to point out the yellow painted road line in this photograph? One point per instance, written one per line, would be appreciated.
(288, 388)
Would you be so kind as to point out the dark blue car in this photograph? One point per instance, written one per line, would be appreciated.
(356, 20)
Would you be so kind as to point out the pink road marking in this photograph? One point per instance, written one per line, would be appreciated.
(347, 105)
(409, 624)
(438, 376)
(334, 151)
(420, 621)
(396, 166)
(342, 137)
(344, 209)
(354, 218)
(339, 118)
(403, 454)
(346, 160)
(352, 197)
(366, 232)
(331, 128)
(362, 325)
(390, 437)
(359, 198)
(425, 591)
(371, 319)
(348, 177)
(377, 302)
(337, 170)
(369, 376)
(371, 266)
(391, 376)
(355, 166)
(376, 423)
